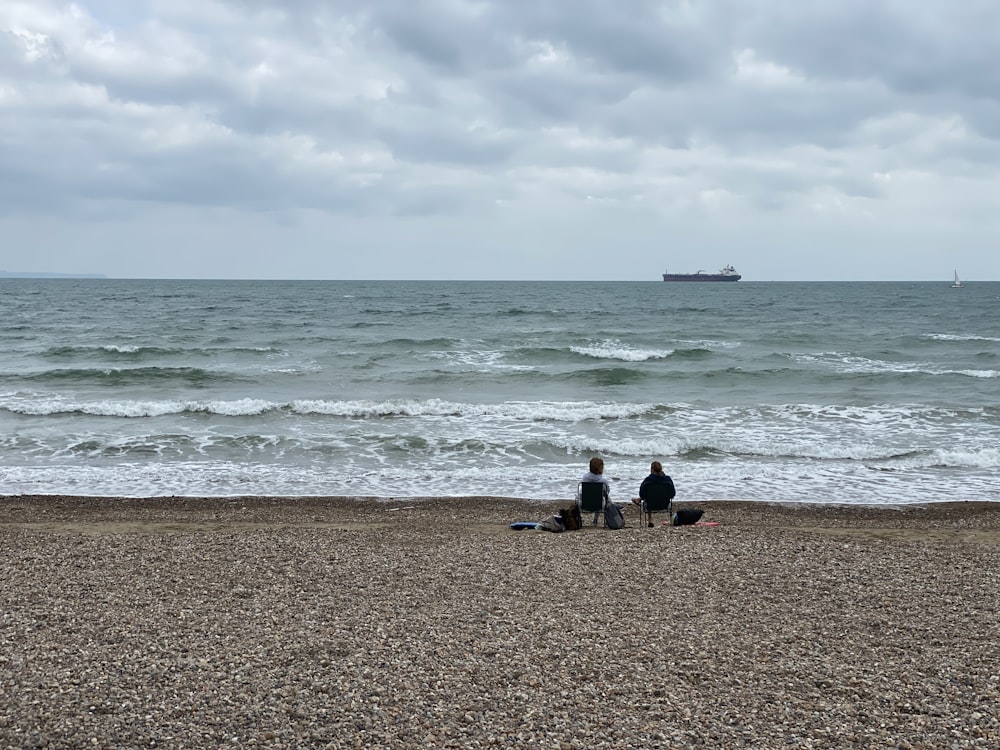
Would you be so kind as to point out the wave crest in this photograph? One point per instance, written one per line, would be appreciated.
(613, 349)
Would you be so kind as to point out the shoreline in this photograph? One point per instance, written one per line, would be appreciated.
(487, 513)
(341, 622)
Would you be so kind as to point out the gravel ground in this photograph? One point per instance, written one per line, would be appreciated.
(357, 623)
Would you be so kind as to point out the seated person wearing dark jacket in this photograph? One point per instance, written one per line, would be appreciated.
(656, 476)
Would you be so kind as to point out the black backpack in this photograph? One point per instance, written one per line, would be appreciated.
(687, 516)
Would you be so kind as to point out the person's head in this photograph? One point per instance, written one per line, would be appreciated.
(656, 467)
(596, 465)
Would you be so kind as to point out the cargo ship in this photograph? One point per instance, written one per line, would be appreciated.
(726, 274)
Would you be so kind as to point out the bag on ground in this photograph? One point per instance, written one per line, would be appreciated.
(613, 517)
(687, 516)
(552, 523)
(571, 518)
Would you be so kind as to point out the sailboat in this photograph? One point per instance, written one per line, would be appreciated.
(957, 284)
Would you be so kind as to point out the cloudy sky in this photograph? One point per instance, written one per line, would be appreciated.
(501, 139)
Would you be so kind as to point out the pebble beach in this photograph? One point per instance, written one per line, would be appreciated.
(428, 623)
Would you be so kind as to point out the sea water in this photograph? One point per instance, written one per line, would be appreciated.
(812, 392)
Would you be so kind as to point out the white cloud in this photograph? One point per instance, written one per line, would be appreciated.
(757, 72)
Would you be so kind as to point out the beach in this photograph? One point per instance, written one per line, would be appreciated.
(364, 623)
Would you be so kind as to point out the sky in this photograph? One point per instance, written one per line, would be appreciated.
(501, 139)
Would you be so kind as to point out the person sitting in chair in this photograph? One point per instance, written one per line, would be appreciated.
(596, 474)
(656, 476)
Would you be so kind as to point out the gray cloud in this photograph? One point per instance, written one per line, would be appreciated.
(553, 125)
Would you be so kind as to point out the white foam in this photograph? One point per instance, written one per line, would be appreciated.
(975, 373)
(707, 344)
(241, 407)
(746, 480)
(562, 411)
(955, 337)
(478, 361)
(609, 446)
(612, 349)
(46, 405)
(853, 364)
(985, 458)
(519, 410)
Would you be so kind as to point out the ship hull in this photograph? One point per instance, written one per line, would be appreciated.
(701, 277)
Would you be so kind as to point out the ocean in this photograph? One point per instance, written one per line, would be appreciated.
(873, 393)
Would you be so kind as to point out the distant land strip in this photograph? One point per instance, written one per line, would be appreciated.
(44, 275)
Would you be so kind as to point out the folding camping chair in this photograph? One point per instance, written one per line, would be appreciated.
(659, 498)
(592, 499)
